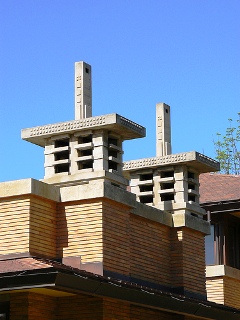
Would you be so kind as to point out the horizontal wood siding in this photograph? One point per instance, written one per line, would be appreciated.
(14, 226)
(188, 260)
(79, 307)
(79, 231)
(215, 290)
(43, 227)
(116, 242)
(149, 250)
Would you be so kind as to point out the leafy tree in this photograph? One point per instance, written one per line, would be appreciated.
(227, 148)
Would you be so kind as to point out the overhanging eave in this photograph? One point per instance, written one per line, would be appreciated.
(105, 287)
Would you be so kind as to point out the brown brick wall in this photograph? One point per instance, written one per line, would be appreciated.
(118, 310)
(14, 215)
(215, 290)
(41, 307)
(188, 260)
(116, 241)
(149, 250)
(232, 292)
(79, 230)
(79, 307)
(134, 245)
(28, 224)
(42, 227)
(32, 306)
(115, 310)
(102, 230)
(140, 313)
(19, 306)
(224, 290)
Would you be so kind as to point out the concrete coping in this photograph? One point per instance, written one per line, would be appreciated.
(29, 186)
(112, 122)
(194, 159)
(181, 220)
(222, 271)
(100, 189)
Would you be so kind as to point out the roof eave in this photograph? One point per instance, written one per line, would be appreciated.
(99, 286)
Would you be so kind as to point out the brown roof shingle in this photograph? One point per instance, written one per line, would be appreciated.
(219, 187)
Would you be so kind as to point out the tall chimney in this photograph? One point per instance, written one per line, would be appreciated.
(163, 130)
(83, 90)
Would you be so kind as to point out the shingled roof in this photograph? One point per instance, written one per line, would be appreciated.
(219, 187)
(32, 272)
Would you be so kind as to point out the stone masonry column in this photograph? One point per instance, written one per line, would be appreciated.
(100, 150)
(181, 184)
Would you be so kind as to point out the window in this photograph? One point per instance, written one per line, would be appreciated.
(209, 247)
(4, 310)
(233, 244)
(223, 245)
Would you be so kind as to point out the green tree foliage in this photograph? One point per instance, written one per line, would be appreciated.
(227, 148)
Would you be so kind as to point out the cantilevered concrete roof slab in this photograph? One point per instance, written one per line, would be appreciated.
(194, 159)
(112, 122)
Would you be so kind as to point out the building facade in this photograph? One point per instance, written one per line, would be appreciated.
(220, 197)
(97, 238)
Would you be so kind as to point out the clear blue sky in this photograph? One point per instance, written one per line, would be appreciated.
(184, 53)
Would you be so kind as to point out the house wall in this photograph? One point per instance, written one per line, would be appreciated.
(42, 227)
(14, 227)
(224, 290)
(188, 260)
(116, 237)
(79, 307)
(104, 231)
(150, 250)
(232, 292)
(135, 246)
(79, 230)
(34, 306)
(215, 291)
(28, 224)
